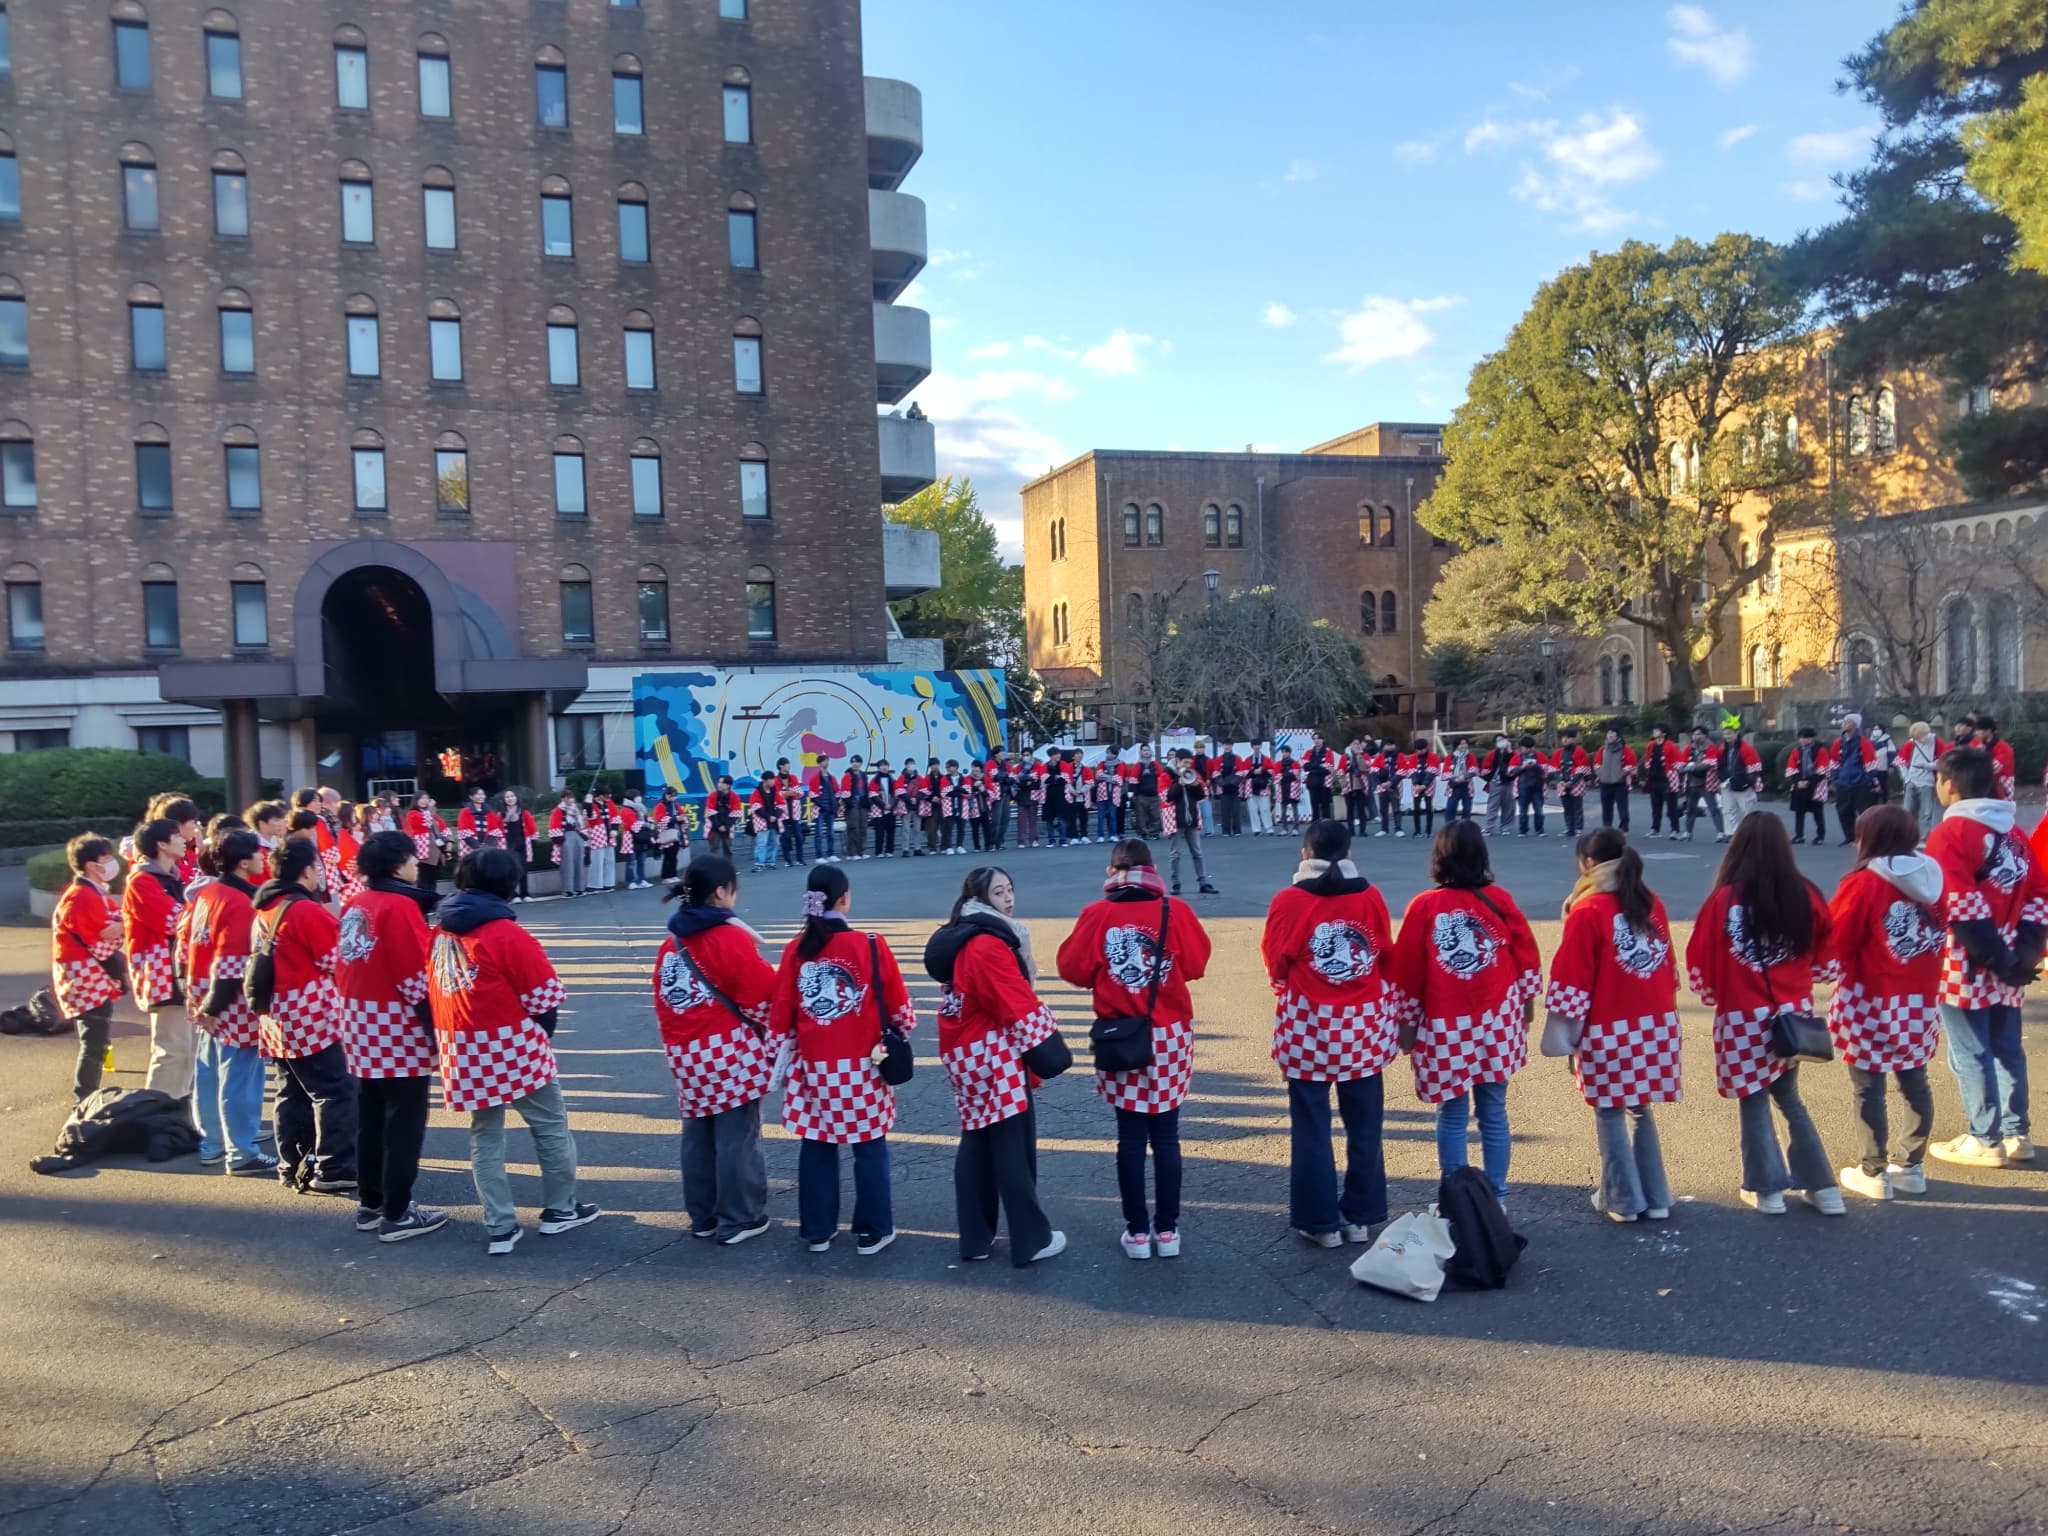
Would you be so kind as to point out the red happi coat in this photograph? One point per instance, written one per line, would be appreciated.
(213, 943)
(486, 987)
(764, 807)
(1660, 760)
(305, 1010)
(722, 811)
(1464, 975)
(2003, 769)
(719, 1062)
(1327, 957)
(424, 828)
(78, 945)
(988, 1017)
(1113, 951)
(1621, 986)
(1575, 765)
(1885, 1014)
(149, 919)
(1988, 873)
(381, 975)
(469, 836)
(1723, 966)
(835, 1003)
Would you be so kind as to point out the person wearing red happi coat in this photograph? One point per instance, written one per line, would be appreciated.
(299, 1024)
(149, 917)
(85, 935)
(211, 943)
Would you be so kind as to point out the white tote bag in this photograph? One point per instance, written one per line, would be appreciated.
(1408, 1259)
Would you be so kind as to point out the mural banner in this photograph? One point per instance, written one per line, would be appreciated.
(690, 727)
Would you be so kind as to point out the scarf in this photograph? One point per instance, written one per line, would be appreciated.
(1601, 877)
(427, 902)
(1024, 959)
(1319, 877)
(1139, 881)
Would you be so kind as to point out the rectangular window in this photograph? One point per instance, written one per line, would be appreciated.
(753, 489)
(237, 341)
(444, 349)
(436, 97)
(440, 206)
(557, 227)
(569, 485)
(739, 240)
(577, 628)
(654, 613)
(626, 113)
(146, 338)
(732, 10)
(579, 742)
(739, 115)
(358, 213)
(646, 486)
(633, 232)
(231, 204)
(245, 478)
(551, 95)
(224, 66)
(6, 44)
(160, 615)
(42, 741)
(451, 482)
(138, 196)
(352, 78)
(760, 610)
(14, 332)
(166, 740)
(364, 360)
(18, 475)
(24, 615)
(10, 189)
(639, 359)
(131, 55)
(746, 364)
(563, 368)
(153, 477)
(369, 478)
(252, 615)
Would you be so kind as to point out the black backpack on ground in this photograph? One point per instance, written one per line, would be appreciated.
(1487, 1246)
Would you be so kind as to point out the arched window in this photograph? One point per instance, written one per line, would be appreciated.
(653, 597)
(17, 467)
(739, 107)
(1052, 541)
(248, 602)
(746, 356)
(1678, 466)
(635, 243)
(152, 468)
(1386, 540)
(159, 608)
(565, 364)
(1367, 517)
(1859, 668)
(1389, 614)
(557, 218)
(1134, 612)
(1212, 526)
(139, 210)
(366, 456)
(644, 464)
(2001, 644)
(365, 353)
(244, 464)
(1063, 538)
(629, 116)
(444, 342)
(1859, 426)
(639, 350)
(1756, 665)
(1155, 524)
(579, 612)
(1959, 644)
(148, 348)
(351, 69)
(760, 603)
(437, 96)
(25, 634)
(1131, 524)
(358, 204)
(223, 56)
(742, 229)
(1627, 669)
(1777, 665)
(1368, 613)
(437, 199)
(570, 498)
(1606, 682)
(1233, 526)
(132, 67)
(551, 88)
(230, 195)
(451, 475)
(1884, 426)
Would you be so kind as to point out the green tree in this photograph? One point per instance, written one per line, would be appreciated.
(1608, 447)
(978, 608)
(1254, 661)
(1923, 270)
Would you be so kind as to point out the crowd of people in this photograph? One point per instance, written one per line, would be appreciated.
(264, 947)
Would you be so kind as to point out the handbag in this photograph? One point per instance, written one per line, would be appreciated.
(1125, 1044)
(1408, 1257)
(898, 1062)
(1561, 1034)
(1796, 1036)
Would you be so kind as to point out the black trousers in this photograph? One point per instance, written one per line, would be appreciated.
(720, 842)
(669, 855)
(1614, 806)
(1663, 803)
(1849, 805)
(1358, 810)
(1320, 802)
(882, 828)
(430, 878)
(522, 872)
(391, 1126)
(1803, 806)
(1422, 810)
(1574, 808)
(94, 1027)
(315, 1117)
(1459, 802)
(1388, 801)
(998, 1166)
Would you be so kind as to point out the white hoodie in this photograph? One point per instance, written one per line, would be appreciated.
(1994, 815)
(1913, 875)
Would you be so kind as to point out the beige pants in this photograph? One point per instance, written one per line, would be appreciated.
(173, 1052)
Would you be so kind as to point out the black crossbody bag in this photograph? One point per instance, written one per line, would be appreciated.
(1125, 1044)
(898, 1064)
(1796, 1036)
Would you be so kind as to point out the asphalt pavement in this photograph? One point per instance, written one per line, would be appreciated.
(182, 1352)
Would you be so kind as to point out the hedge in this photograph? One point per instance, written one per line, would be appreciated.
(42, 834)
(49, 871)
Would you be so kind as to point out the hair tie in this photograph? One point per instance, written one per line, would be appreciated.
(814, 903)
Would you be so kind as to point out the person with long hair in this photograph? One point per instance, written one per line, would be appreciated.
(1466, 974)
(387, 1033)
(429, 840)
(212, 944)
(300, 1028)
(1134, 939)
(1614, 993)
(712, 997)
(835, 993)
(1885, 1014)
(149, 919)
(1326, 945)
(1757, 945)
(520, 834)
(989, 1017)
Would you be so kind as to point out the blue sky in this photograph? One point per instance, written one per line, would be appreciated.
(1213, 223)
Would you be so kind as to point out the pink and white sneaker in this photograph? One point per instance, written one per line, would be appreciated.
(1137, 1245)
(1167, 1244)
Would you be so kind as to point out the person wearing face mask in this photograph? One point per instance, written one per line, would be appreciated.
(85, 941)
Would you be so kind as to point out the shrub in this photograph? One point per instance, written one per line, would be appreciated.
(43, 834)
(49, 871)
(90, 784)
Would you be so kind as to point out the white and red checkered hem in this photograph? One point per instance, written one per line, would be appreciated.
(152, 979)
(385, 1039)
(840, 1102)
(81, 985)
(1743, 1063)
(237, 1026)
(1884, 1034)
(543, 998)
(987, 1074)
(301, 1022)
(1622, 1063)
(1454, 1052)
(483, 1068)
(720, 1072)
(1162, 1086)
(1573, 1002)
(1320, 1042)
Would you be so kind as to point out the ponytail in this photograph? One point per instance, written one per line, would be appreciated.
(1609, 845)
(702, 878)
(827, 884)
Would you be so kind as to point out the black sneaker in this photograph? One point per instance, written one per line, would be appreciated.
(341, 1184)
(552, 1222)
(368, 1218)
(501, 1243)
(417, 1221)
(1209, 890)
(1176, 887)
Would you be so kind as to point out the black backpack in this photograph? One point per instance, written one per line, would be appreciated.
(1487, 1246)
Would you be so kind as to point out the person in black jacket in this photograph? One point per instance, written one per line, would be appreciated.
(1184, 798)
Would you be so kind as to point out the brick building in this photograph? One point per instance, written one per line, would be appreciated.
(1116, 542)
(379, 380)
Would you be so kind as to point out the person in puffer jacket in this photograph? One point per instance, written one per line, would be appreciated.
(300, 1028)
(1996, 901)
(1885, 1015)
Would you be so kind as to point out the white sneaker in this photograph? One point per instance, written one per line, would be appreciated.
(1764, 1205)
(1969, 1151)
(1657, 1213)
(1358, 1232)
(1872, 1186)
(1906, 1181)
(1167, 1243)
(1321, 1239)
(2019, 1149)
(1053, 1249)
(1614, 1216)
(1827, 1201)
(1136, 1245)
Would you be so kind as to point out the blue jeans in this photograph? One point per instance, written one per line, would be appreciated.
(1209, 817)
(1313, 1204)
(1990, 1064)
(1105, 821)
(636, 864)
(828, 843)
(817, 1190)
(764, 849)
(1452, 1118)
(793, 844)
(228, 1097)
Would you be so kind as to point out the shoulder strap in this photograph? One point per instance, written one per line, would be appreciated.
(706, 983)
(1159, 961)
(875, 982)
(1479, 894)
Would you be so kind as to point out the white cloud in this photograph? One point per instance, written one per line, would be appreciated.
(1696, 38)
(1828, 150)
(1054, 349)
(1413, 152)
(1598, 153)
(1302, 170)
(1000, 384)
(1280, 316)
(1490, 131)
(1735, 136)
(1806, 190)
(980, 437)
(994, 352)
(1382, 329)
(1117, 355)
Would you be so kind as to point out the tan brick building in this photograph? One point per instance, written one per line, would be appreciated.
(380, 379)
(1117, 542)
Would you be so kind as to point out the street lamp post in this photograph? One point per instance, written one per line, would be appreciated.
(1212, 580)
(1549, 648)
